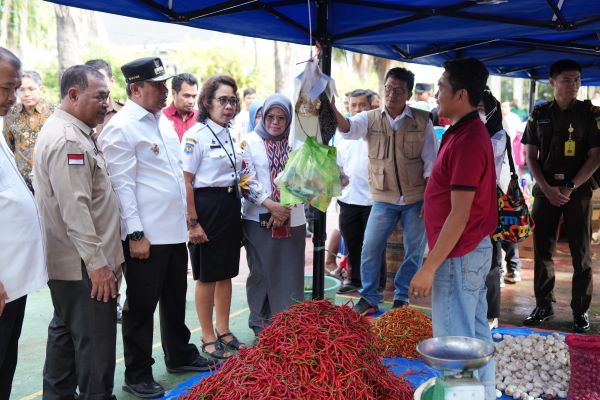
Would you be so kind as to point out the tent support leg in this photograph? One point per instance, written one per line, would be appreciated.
(532, 86)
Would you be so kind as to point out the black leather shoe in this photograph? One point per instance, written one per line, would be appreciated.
(200, 364)
(399, 304)
(539, 315)
(581, 323)
(145, 390)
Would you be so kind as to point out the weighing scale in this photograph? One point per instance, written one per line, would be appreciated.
(456, 357)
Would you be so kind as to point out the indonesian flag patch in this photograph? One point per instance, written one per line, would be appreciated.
(75, 159)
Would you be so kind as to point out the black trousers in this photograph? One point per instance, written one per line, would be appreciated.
(82, 338)
(11, 322)
(577, 214)
(492, 281)
(353, 222)
(160, 279)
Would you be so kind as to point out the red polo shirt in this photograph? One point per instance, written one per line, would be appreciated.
(178, 122)
(465, 162)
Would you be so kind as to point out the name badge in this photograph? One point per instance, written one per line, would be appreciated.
(570, 148)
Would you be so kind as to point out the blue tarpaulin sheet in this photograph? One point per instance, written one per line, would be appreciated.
(418, 371)
(518, 38)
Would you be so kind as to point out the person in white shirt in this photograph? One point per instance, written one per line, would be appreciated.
(211, 164)
(143, 157)
(355, 202)
(402, 148)
(23, 268)
(274, 235)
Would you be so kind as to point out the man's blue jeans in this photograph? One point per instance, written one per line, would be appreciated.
(459, 304)
(383, 219)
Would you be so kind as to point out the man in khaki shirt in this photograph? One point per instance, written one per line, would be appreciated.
(80, 215)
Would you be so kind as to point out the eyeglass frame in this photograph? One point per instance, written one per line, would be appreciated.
(270, 118)
(224, 100)
(397, 90)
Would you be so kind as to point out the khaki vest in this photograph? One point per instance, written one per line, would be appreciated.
(395, 164)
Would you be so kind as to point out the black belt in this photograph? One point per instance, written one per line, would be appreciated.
(226, 189)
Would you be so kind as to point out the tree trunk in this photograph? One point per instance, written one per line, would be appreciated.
(382, 65)
(7, 10)
(283, 67)
(67, 38)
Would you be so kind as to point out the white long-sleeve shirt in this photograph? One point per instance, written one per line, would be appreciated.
(143, 157)
(353, 160)
(22, 262)
(359, 125)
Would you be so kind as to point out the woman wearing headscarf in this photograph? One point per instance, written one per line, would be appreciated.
(491, 116)
(212, 164)
(274, 235)
(254, 114)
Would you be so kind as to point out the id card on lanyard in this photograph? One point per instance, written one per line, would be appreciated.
(570, 143)
(233, 161)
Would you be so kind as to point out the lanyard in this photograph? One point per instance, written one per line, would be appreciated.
(232, 161)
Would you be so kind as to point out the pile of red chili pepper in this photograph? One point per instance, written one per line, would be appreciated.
(399, 330)
(312, 351)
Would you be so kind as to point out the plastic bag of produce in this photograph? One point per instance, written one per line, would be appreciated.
(311, 175)
(584, 352)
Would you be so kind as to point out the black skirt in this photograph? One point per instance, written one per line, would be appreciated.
(219, 214)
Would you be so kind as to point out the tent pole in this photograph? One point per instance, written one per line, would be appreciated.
(320, 223)
(532, 85)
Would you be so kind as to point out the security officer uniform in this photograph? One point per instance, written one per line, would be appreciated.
(564, 138)
(79, 213)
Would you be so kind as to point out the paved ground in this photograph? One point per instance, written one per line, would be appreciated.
(517, 302)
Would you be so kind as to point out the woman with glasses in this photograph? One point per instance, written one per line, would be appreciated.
(212, 163)
(274, 235)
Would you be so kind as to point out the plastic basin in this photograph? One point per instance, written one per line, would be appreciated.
(331, 285)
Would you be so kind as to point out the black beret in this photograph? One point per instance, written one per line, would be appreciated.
(145, 69)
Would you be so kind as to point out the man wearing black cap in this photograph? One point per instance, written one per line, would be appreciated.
(422, 96)
(143, 157)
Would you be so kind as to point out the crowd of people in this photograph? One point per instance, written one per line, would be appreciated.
(135, 189)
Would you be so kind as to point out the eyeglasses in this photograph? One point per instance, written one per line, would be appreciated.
(395, 89)
(233, 101)
(272, 118)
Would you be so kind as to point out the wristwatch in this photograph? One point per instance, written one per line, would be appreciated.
(135, 236)
(193, 222)
(570, 185)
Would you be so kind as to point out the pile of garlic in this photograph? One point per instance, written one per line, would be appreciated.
(529, 367)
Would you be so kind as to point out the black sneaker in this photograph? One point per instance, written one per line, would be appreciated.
(347, 288)
(539, 315)
(145, 390)
(400, 304)
(581, 323)
(363, 307)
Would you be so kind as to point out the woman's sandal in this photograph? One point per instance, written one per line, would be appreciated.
(218, 352)
(233, 344)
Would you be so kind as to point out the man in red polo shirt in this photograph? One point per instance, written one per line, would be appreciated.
(181, 112)
(460, 214)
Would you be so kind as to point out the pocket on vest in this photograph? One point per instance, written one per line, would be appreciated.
(377, 177)
(378, 146)
(414, 172)
(413, 145)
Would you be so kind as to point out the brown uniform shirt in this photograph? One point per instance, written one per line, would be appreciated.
(77, 205)
(113, 107)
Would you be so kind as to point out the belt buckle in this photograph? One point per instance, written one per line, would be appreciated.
(229, 189)
(559, 177)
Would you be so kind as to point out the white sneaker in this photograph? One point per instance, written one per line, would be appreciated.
(493, 323)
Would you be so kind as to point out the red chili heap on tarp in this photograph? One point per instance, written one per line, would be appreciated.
(398, 332)
(313, 351)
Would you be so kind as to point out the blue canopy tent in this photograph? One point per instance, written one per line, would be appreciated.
(517, 38)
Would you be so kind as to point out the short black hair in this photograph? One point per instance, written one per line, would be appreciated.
(469, 74)
(564, 65)
(99, 64)
(358, 93)
(247, 92)
(77, 76)
(402, 74)
(178, 80)
(371, 94)
(9, 56)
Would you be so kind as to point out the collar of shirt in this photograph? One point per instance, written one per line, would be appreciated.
(395, 122)
(216, 128)
(556, 108)
(60, 113)
(41, 107)
(139, 112)
(172, 111)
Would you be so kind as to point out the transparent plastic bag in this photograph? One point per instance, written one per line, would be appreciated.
(311, 175)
